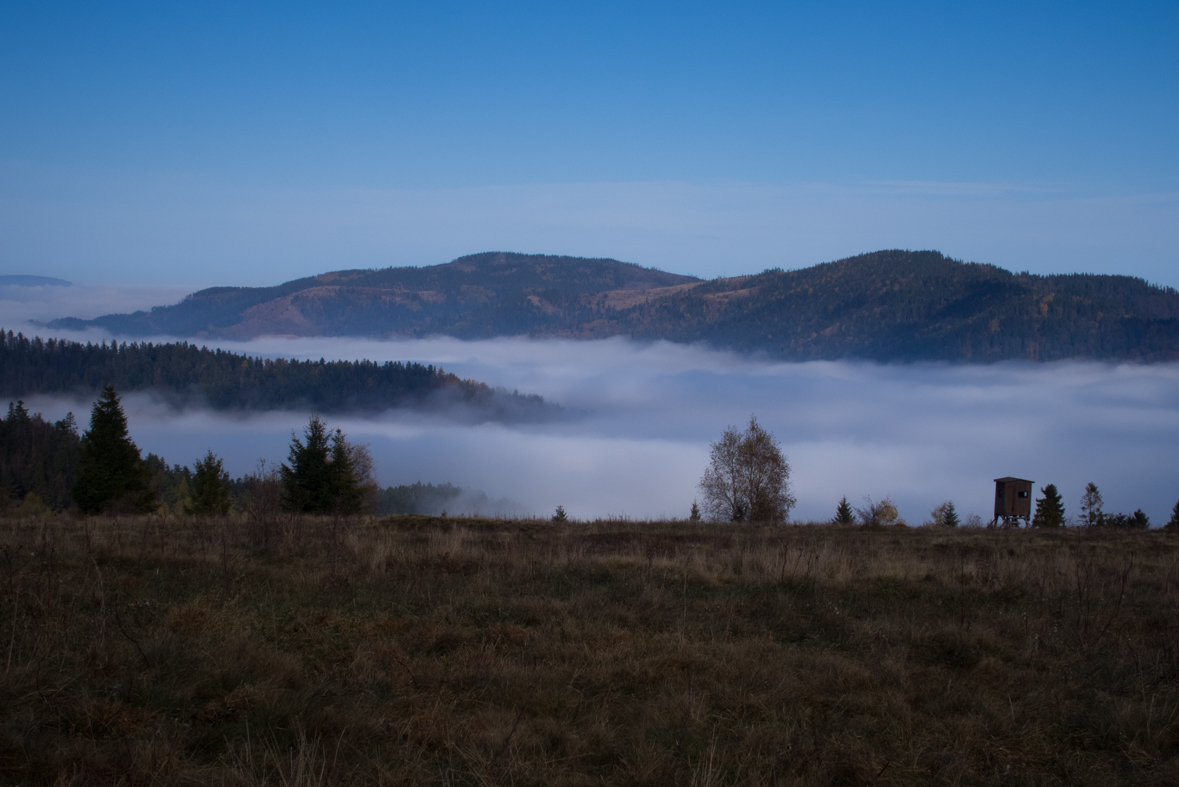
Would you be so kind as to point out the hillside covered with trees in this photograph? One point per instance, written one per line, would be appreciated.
(885, 306)
(184, 373)
(481, 295)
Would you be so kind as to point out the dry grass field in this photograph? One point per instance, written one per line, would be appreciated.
(410, 650)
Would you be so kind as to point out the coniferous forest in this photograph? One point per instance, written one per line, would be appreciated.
(38, 459)
(47, 466)
(184, 373)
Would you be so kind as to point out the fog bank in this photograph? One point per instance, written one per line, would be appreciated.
(644, 414)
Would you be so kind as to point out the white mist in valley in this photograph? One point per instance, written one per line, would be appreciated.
(641, 416)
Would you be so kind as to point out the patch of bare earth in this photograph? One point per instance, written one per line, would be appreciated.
(617, 300)
(288, 315)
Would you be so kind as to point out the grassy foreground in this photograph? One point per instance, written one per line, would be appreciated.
(422, 651)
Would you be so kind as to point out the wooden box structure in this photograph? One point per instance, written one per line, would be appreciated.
(1013, 501)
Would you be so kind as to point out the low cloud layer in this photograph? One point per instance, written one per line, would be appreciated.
(21, 305)
(643, 414)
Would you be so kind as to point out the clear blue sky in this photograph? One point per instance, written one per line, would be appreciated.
(245, 143)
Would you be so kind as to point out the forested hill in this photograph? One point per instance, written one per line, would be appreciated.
(186, 374)
(481, 295)
(913, 306)
(886, 306)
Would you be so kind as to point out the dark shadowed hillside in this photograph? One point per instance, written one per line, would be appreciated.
(887, 306)
(899, 305)
(183, 373)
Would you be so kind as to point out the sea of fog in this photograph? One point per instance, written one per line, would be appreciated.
(641, 416)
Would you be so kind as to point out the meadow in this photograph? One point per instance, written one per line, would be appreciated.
(294, 650)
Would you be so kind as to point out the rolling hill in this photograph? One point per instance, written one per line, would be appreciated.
(885, 306)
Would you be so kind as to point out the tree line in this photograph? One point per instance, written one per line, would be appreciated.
(1050, 512)
(183, 372)
(48, 466)
(748, 480)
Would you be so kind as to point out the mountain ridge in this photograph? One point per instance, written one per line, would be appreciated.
(892, 305)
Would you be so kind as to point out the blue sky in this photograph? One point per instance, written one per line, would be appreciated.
(248, 144)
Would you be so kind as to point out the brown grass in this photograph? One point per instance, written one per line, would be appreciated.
(410, 650)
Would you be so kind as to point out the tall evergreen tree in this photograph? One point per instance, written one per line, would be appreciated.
(347, 496)
(950, 516)
(111, 474)
(322, 475)
(1173, 524)
(843, 512)
(210, 488)
(306, 482)
(1049, 508)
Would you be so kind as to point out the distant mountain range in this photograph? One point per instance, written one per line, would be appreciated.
(20, 280)
(885, 306)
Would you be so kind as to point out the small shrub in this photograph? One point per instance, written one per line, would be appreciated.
(879, 514)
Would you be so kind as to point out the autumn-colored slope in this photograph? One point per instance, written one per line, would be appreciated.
(888, 306)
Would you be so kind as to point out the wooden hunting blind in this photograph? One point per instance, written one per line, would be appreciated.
(1013, 501)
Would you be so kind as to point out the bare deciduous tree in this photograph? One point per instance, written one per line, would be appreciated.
(748, 478)
(1091, 505)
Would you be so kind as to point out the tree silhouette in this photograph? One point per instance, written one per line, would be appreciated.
(321, 476)
(1091, 505)
(747, 478)
(210, 488)
(111, 474)
(306, 482)
(346, 493)
(843, 512)
(1049, 508)
(37, 457)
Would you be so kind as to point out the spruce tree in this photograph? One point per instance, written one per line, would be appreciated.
(694, 515)
(950, 517)
(347, 496)
(1173, 524)
(1049, 508)
(843, 512)
(111, 474)
(210, 488)
(322, 475)
(307, 481)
